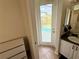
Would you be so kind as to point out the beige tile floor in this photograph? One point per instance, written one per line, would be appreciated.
(47, 53)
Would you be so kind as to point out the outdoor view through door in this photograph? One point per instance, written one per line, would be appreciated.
(46, 22)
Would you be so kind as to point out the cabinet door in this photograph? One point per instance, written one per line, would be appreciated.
(77, 52)
(66, 49)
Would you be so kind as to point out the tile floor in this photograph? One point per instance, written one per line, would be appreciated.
(47, 53)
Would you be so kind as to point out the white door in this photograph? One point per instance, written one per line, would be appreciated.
(45, 23)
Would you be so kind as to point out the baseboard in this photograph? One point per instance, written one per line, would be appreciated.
(56, 52)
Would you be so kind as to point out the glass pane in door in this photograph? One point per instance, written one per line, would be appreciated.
(46, 22)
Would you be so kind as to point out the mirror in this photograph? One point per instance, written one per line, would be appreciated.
(75, 18)
(72, 18)
(68, 15)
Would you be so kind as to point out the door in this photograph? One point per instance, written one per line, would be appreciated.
(45, 24)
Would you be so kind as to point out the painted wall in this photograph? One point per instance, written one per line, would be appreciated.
(16, 20)
(11, 26)
(11, 22)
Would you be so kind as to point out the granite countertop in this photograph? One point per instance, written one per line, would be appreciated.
(65, 37)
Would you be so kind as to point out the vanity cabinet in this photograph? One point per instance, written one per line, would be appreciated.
(77, 52)
(66, 49)
(69, 50)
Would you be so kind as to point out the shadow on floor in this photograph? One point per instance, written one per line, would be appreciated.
(62, 57)
(27, 47)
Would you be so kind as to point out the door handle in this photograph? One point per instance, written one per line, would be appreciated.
(53, 31)
(35, 42)
(73, 47)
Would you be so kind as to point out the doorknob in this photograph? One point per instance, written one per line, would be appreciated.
(76, 48)
(53, 31)
(35, 42)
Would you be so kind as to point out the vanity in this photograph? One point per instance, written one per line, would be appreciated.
(69, 45)
(69, 49)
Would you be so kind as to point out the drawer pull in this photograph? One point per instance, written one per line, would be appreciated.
(76, 48)
(73, 47)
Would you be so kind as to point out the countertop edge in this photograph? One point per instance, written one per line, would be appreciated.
(69, 41)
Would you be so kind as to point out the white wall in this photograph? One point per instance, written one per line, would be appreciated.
(11, 22)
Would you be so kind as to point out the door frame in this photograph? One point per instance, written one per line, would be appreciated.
(28, 14)
(38, 23)
(32, 23)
